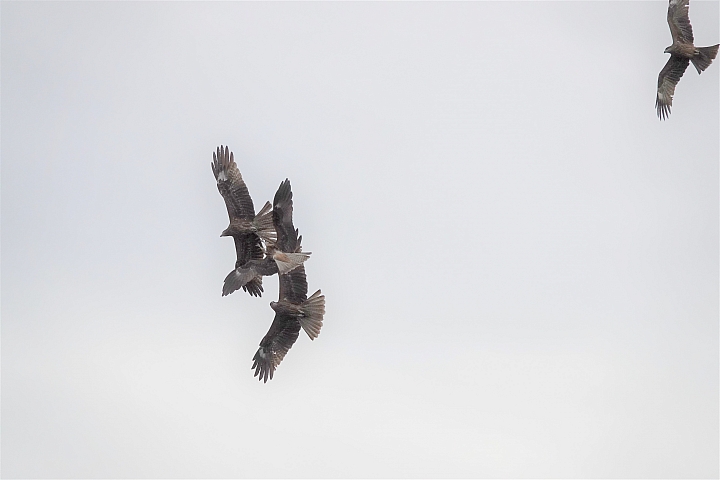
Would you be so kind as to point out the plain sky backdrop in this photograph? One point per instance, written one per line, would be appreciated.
(520, 260)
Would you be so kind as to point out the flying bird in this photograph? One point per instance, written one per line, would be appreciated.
(281, 256)
(293, 310)
(682, 52)
(247, 229)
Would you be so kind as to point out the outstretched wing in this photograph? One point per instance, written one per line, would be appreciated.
(231, 185)
(669, 77)
(283, 218)
(241, 276)
(279, 339)
(293, 286)
(679, 21)
(248, 247)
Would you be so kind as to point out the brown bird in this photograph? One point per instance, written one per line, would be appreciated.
(293, 310)
(281, 256)
(247, 229)
(682, 52)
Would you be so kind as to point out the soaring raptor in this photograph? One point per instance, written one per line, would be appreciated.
(293, 310)
(682, 52)
(246, 228)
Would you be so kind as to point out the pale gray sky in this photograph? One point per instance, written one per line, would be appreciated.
(520, 260)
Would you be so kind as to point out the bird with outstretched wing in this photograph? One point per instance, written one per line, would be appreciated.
(247, 228)
(682, 52)
(293, 310)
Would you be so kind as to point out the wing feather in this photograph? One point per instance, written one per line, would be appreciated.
(249, 247)
(293, 286)
(231, 185)
(248, 272)
(274, 346)
(669, 77)
(679, 21)
(283, 218)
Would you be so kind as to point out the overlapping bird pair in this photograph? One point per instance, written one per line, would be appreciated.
(267, 243)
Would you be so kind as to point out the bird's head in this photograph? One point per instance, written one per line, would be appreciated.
(273, 305)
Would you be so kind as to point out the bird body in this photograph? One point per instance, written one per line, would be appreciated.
(682, 50)
(257, 225)
(309, 313)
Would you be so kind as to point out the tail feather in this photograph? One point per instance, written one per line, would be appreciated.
(705, 57)
(264, 223)
(287, 262)
(313, 310)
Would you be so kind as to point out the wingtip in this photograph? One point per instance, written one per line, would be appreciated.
(283, 194)
(263, 368)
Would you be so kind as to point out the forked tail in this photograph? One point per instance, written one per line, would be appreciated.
(313, 311)
(705, 57)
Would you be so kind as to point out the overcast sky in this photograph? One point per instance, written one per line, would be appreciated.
(520, 260)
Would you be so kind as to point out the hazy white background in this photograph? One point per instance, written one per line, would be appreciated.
(520, 260)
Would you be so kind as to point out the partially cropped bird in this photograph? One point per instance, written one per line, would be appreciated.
(247, 229)
(293, 311)
(682, 52)
(281, 256)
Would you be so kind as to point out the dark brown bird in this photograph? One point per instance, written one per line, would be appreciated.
(281, 256)
(246, 228)
(682, 52)
(293, 310)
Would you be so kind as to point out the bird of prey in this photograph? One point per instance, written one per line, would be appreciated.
(682, 52)
(293, 310)
(247, 229)
(281, 256)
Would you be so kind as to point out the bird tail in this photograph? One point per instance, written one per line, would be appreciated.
(245, 278)
(264, 224)
(313, 310)
(288, 262)
(705, 57)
